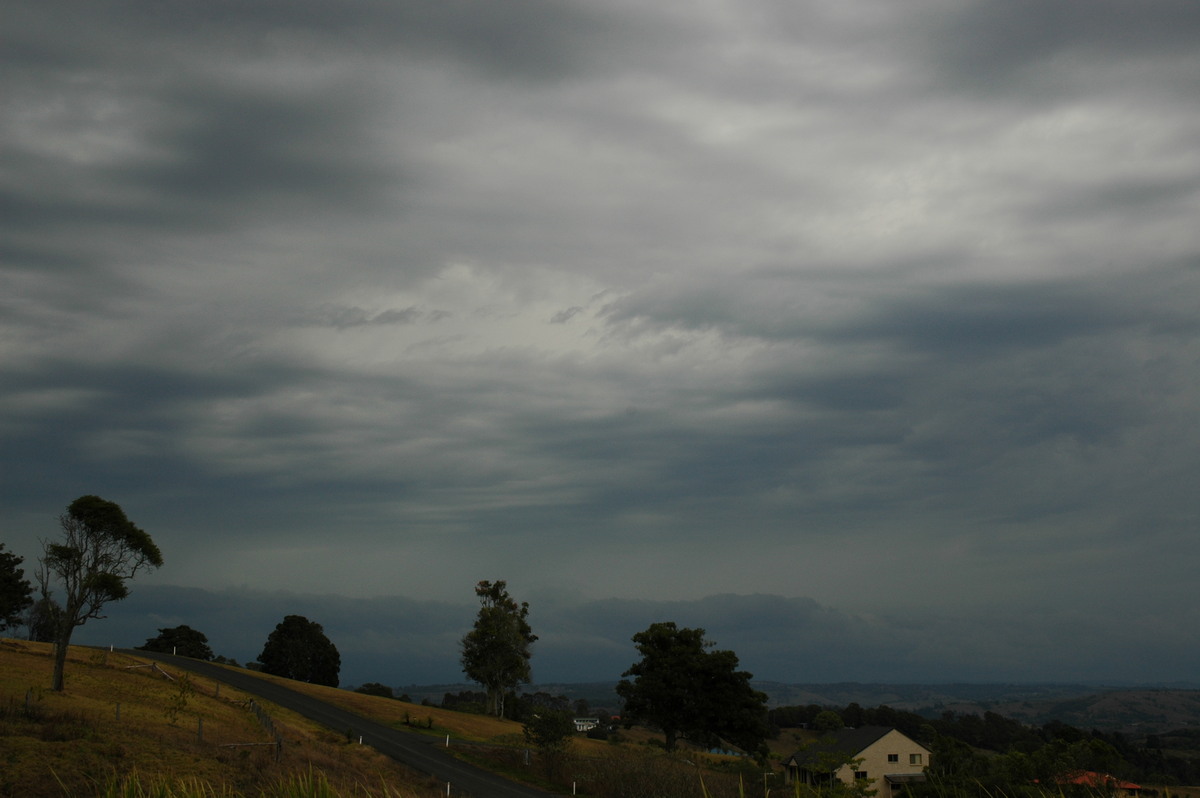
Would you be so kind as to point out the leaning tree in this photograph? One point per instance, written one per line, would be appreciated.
(99, 552)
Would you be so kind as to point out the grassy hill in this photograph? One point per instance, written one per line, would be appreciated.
(126, 728)
(123, 721)
(120, 717)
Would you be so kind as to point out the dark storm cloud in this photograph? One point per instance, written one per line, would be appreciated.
(893, 308)
(394, 641)
(232, 151)
(996, 42)
(524, 38)
(343, 318)
(987, 320)
(402, 641)
(220, 159)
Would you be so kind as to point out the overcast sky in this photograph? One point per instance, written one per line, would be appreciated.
(862, 334)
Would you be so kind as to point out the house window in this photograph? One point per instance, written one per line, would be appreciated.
(860, 774)
(893, 757)
(914, 759)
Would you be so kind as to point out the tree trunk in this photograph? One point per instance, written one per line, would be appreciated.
(62, 642)
(60, 663)
(496, 695)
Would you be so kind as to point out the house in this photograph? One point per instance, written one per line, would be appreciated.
(884, 757)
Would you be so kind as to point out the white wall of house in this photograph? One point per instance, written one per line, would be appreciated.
(893, 753)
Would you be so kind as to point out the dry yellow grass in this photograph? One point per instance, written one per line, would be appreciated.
(461, 725)
(115, 719)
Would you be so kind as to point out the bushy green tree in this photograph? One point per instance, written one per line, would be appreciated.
(551, 732)
(100, 551)
(16, 593)
(182, 640)
(688, 690)
(828, 721)
(298, 649)
(496, 652)
(375, 688)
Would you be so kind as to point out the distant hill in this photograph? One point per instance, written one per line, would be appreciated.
(1134, 711)
(922, 698)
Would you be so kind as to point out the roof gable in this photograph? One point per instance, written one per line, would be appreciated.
(847, 742)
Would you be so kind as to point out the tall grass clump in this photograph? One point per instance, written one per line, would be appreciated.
(313, 784)
(133, 787)
(647, 774)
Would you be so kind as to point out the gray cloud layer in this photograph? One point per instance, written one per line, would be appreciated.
(893, 308)
(400, 641)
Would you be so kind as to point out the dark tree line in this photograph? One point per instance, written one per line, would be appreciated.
(519, 707)
(16, 593)
(296, 649)
(181, 640)
(989, 749)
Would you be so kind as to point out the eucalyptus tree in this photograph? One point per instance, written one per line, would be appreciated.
(101, 550)
(496, 652)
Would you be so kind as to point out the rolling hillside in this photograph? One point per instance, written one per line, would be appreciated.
(120, 717)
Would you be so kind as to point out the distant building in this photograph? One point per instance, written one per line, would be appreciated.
(883, 757)
(1101, 783)
(586, 724)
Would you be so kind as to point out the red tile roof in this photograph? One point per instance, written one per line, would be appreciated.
(1090, 778)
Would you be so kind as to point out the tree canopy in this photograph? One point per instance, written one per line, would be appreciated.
(828, 721)
(496, 652)
(16, 593)
(182, 640)
(688, 690)
(551, 731)
(100, 551)
(298, 649)
(375, 688)
(42, 620)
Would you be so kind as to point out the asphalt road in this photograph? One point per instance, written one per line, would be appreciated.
(417, 751)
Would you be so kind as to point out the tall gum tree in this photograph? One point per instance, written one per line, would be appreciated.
(99, 552)
(495, 653)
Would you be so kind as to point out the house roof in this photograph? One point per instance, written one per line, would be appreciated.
(1089, 778)
(850, 742)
